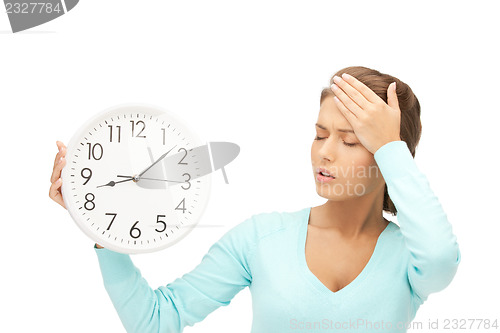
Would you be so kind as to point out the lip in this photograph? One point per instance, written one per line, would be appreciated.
(318, 170)
(322, 179)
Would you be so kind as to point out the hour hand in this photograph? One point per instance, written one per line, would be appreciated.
(113, 183)
(163, 180)
(145, 178)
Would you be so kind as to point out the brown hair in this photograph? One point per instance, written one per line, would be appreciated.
(411, 126)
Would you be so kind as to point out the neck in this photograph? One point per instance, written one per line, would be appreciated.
(352, 218)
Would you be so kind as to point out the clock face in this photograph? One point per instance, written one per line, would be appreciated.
(136, 178)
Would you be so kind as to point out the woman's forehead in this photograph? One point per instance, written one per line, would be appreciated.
(333, 120)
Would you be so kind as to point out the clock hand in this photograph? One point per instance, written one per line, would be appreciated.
(159, 159)
(163, 180)
(112, 183)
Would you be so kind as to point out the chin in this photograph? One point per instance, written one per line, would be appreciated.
(327, 192)
(337, 191)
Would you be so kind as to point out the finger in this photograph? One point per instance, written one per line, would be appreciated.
(352, 92)
(56, 173)
(346, 100)
(60, 144)
(369, 94)
(58, 155)
(351, 117)
(57, 159)
(61, 153)
(392, 96)
(55, 194)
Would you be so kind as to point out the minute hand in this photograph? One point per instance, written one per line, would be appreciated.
(158, 160)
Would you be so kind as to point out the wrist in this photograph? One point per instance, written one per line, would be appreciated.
(385, 143)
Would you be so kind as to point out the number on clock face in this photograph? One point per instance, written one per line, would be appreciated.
(117, 206)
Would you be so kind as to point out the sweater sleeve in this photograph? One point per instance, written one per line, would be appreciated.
(222, 273)
(428, 235)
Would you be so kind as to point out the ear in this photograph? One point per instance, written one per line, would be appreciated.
(392, 96)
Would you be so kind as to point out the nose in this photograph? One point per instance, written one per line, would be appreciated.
(328, 149)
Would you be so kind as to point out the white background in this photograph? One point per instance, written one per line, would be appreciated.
(250, 73)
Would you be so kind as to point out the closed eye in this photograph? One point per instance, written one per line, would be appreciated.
(345, 143)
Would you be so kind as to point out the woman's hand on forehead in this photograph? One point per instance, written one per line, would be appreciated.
(374, 122)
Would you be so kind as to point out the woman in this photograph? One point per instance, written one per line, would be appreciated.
(340, 265)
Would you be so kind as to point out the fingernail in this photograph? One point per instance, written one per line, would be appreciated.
(60, 160)
(346, 76)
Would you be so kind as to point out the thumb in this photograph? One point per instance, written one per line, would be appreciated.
(392, 96)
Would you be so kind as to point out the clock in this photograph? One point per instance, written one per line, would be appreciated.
(137, 179)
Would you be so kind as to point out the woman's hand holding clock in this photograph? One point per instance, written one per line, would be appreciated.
(56, 180)
(59, 163)
(144, 214)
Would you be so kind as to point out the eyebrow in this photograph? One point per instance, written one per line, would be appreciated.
(339, 129)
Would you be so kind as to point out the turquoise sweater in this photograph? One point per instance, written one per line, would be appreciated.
(266, 253)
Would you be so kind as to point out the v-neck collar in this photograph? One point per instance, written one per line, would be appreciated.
(342, 293)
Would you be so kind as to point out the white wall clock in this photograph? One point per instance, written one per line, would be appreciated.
(137, 179)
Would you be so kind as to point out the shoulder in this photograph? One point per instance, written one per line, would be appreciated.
(395, 237)
(394, 229)
(243, 239)
(266, 223)
(260, 225)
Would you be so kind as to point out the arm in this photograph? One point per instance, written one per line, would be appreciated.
(428, 235)
(222, 273)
